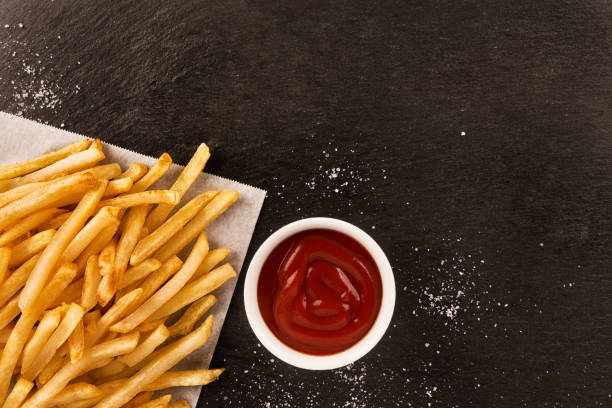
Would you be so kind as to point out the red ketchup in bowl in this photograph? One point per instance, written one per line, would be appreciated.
(319, 291)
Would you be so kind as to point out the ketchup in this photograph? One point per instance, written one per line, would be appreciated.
(319, 291)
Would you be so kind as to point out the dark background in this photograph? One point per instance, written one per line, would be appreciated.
(500, 236)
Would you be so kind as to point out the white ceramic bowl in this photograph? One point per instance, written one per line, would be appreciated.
(308, 361)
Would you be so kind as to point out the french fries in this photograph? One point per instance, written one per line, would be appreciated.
(47, 325)
(19, 393)
(76, 392)
(76, 342)
(14, 170)
(98, 329)
(189, 174)
(167, 290)
(44, 197)
(27, 248)
(161, 402)
(179, 404)
(106, 266)
(56, 340)
(90, 283)
(139, 272)
(62, 216)
(215, 207)
(152, 242)
(5, 258)
(27, 224)
(167, 358)
(53, 252)
(16, 280)
(155, 173)
(193, 313)
(16, 341)
(184, 378)
(135, 172)
(195, 290)
(157, 337)
(91, 358)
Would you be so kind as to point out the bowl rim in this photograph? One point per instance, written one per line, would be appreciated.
(309, 361)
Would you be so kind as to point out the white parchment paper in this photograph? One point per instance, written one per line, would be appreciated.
(22, 139)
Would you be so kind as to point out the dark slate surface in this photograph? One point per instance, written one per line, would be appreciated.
(500, 238)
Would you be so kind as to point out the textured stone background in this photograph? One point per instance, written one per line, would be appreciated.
(471, 139)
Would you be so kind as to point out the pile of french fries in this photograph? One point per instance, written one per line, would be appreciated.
(90, 280)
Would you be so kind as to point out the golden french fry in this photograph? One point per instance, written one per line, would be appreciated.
(195, 290)
(191, 230)
(48, 323)
(105, 217)
(30, 247)
(140, 271)
(168, 290)
(118, 186)
(4, 335)
(161, 402)
(21, 332)
(152, 242)
(96, 144)
(27, 224)
(16, 280)
(20, 391)
(71, 294)
(5, 258)
(56, 222)
(111, 369)
(179, 404)
(50, 369)
(145, 197)
(166, 359)
(97, 245)
(106, 266)
(114, 187)
(157, 337)
(134, 222)
(56, 340)
(76, 342)
(148, 326)
(16, 193)
(155, 173)
(139, 399)
(106, 259)
(182, 183)
(70, 164)
(94, 332)
(44, 197)
(135, 172)
(18, 169)
(184, 379)
(191, 316)
(213, 258)
(59, 169)
(76, 392)
(91, 359)
(103, 171)
(53, 252)
(157, 278)
(92, 316)
(9, 312)
(90, 283)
